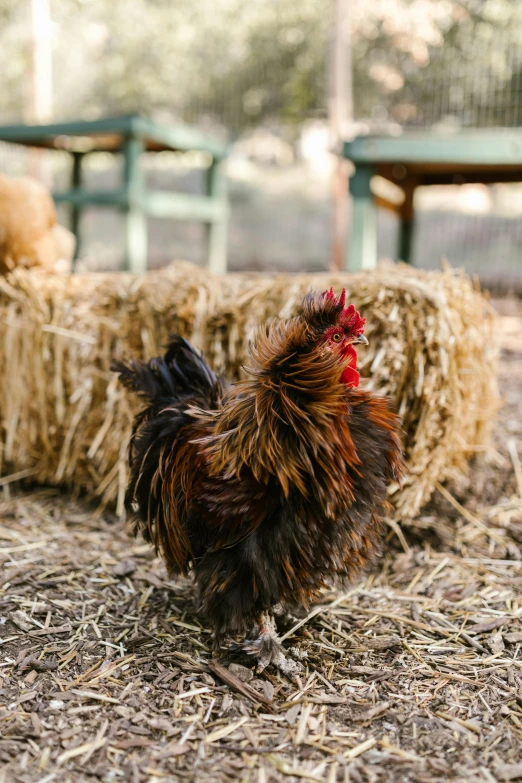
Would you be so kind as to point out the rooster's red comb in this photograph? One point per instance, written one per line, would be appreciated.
(339, 300)
(348, 315)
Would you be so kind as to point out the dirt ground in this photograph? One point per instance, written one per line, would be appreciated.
(413, 675)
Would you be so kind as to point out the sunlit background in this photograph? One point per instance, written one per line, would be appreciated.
(265, 77)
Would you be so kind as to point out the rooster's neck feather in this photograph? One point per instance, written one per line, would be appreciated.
(289, 418)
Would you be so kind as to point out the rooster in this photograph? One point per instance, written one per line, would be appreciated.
(268, 488)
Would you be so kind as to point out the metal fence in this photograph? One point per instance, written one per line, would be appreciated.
(469, 80)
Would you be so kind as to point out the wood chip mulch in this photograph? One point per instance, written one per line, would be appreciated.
(414, 674)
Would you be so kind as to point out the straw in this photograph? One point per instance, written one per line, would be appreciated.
(64, 416)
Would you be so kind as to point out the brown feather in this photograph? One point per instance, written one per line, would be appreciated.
(269, 489)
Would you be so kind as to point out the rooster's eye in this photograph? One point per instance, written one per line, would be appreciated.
(337, 337)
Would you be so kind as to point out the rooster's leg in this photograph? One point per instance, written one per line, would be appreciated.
(267, 648)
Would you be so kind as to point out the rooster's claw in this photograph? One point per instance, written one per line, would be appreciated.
(267, 648)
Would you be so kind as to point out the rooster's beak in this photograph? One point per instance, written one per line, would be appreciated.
(361, 339)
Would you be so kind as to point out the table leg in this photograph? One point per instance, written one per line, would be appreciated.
(217, 229)
(75, 210)
(135, 219)
(406, 227)
(362, 251)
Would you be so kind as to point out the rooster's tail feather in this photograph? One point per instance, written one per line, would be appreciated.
(181, 374)
(169, 385)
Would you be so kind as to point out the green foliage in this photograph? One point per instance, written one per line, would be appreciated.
(238, 63)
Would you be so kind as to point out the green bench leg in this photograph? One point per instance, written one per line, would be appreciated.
(135, 240)
(362, 246)
(75, 211)
(406, 227)
(217, 230)
(135, 218)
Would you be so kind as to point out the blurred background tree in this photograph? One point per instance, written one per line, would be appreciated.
(237, 64)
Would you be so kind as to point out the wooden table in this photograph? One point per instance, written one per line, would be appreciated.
(132, 135)
(419, 159)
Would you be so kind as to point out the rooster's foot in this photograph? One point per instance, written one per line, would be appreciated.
(267, 648)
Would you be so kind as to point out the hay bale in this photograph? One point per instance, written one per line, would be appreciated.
(431, 349)
(63, 415)
(62, 412)
(29, 233)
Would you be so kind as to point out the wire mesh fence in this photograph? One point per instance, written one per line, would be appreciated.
(470, 79)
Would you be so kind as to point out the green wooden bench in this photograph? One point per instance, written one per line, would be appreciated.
(416, 159)
(133, 135)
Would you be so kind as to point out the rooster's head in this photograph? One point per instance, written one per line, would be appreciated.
(337, 327)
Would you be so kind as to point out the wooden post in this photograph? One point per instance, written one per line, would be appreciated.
(363, 243)
(40, 110)
(135, 220)
(217, 229)
(75, 210)
(340, 117)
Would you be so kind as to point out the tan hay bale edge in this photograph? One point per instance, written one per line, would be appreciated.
(63, 415)
(29, 233)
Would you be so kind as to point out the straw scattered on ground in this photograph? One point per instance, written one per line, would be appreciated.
(413, 675)
(64, 419)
